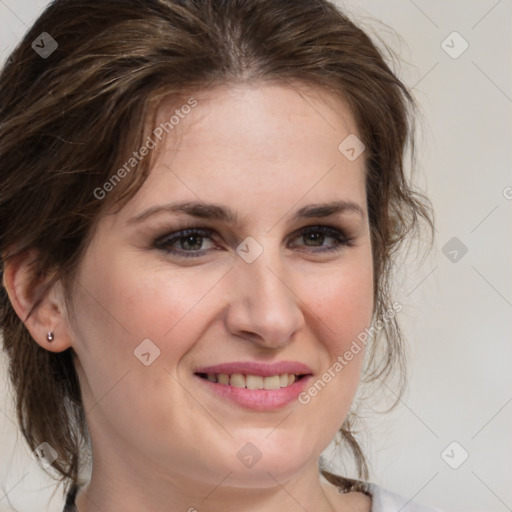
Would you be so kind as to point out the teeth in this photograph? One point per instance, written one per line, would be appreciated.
(254, 382)
(238, 380)
(271, 382)
(223, 378)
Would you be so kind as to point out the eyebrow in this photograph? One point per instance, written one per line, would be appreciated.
(221, 213)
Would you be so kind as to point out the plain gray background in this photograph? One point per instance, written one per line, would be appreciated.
(457, 314)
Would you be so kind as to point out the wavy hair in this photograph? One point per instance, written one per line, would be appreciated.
(69, 120)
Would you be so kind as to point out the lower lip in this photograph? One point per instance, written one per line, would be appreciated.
(259, 399)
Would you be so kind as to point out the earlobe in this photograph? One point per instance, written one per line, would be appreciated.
(38, 302)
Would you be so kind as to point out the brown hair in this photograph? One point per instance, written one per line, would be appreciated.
(64, 129)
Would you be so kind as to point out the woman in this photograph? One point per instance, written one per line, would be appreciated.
(200, 201)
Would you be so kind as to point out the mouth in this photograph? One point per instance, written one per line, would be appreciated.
(253, 382)
(256, 386)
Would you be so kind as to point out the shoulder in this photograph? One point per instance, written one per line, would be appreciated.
(387, 501)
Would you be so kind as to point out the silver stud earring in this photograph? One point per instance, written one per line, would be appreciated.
(50, 337)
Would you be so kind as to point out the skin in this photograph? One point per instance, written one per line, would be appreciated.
(161, 440)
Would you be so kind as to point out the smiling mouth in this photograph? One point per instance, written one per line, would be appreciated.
(239, 380)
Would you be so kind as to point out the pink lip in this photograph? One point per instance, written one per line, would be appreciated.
(254, 368)
(258, 399)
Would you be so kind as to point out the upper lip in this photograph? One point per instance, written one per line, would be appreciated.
(255, 368)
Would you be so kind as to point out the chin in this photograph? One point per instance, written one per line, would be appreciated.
(265, 474)
(261, 463)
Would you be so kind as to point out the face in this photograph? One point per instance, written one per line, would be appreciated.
(248, 246)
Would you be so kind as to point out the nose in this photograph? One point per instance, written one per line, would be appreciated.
(263, 306)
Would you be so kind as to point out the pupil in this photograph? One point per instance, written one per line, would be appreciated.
(314, 237)
(190, 240)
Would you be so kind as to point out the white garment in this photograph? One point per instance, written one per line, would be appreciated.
(387, 501)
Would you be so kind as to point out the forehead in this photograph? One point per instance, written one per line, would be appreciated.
(256, 114)
(255, 145)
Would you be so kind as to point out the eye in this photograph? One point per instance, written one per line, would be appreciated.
(195, 242)
(188, 242)
(317, 236)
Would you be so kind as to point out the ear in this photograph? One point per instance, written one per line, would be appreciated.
(41, 309)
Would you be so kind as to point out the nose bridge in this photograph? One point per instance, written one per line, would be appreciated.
(263, 306)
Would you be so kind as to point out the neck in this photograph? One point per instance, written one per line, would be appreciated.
(303, 492)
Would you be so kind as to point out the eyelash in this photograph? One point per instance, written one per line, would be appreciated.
(164, 242)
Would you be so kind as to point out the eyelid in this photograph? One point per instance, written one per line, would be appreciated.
(182, 232)
(335, 232)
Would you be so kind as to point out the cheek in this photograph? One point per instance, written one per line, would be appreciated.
(118, 308)
(343, 303)
(129, 305)
(340, 306)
